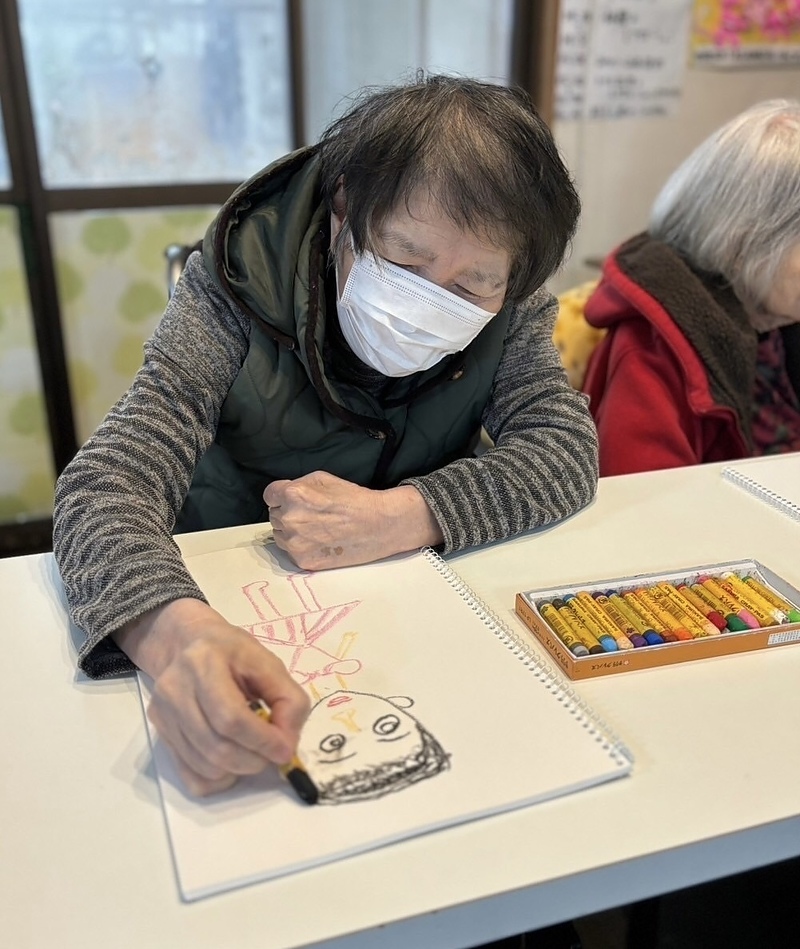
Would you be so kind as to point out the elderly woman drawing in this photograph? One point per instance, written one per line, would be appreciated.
(359, 310)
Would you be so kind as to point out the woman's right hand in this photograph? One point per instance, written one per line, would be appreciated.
(205, 671)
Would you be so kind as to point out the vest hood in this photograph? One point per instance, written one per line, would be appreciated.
(259, 247)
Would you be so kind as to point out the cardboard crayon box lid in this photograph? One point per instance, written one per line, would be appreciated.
(646, 657)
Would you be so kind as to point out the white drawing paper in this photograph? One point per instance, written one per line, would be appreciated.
(423, 716)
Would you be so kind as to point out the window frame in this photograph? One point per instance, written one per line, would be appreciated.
(531, 66)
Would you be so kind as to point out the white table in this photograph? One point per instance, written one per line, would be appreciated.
(84, 859)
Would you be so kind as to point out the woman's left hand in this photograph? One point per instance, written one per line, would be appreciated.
(322, 521)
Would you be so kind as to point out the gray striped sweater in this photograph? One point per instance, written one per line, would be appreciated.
(116, 501)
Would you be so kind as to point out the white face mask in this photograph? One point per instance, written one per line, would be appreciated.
(399, 323)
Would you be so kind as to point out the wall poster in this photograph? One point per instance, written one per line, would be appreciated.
(755, 34)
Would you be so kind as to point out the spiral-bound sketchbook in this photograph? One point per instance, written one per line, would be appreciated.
(774, 480)
(427, 711)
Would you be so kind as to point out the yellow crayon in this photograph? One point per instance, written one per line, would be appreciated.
(667, 619)
(771, 597)
(705, 609)
(665, 603)
(607, 641)
(620, 620)
(643, 609)
(576, 625)
(603, 620)
(562, 630)
(685, 612)
(639, 623)
(732, 605)
(746, 603)
(751, 599)
(731, 618)
(295, 771)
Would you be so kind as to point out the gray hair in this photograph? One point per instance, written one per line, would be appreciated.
(733, 206)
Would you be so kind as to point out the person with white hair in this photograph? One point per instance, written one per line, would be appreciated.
(701, 358)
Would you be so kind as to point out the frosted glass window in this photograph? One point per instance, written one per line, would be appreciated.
(359, 43)
(5, 172)
(157, 91)
(26, 468)
(112, 285)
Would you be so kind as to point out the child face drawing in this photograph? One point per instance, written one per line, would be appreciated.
(356, 745)
(358, 728)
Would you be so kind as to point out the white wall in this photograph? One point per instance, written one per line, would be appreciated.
(621, 164)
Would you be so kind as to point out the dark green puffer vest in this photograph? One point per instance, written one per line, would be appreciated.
(285, 416)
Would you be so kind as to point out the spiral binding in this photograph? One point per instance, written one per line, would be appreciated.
(547, 674)
(775, 500)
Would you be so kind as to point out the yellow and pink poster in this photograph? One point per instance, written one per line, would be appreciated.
(746, 33)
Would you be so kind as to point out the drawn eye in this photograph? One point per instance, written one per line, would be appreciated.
(386, 724)
(331, 743)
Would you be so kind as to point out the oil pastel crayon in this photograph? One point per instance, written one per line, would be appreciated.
(294, 772)
(686, 613)
(573, 620)
(771, 597)
(559, 626)
(620, 621)
(751, 600)
(710, 614)
(662, 600)
(747, 603)
(643, 609)
(732, 605)
(608, 643)
(651, 637)
(732, 621)
(647, 596)
(603, 620)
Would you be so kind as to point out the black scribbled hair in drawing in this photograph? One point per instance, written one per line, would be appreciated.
(366, 784)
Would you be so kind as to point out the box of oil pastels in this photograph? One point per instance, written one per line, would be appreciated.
(638, 622)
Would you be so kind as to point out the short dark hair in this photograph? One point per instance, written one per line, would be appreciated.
(481, 151)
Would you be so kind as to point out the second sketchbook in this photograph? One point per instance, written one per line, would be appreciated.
(774, 479)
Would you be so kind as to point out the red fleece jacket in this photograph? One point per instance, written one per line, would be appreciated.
(649, 389)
